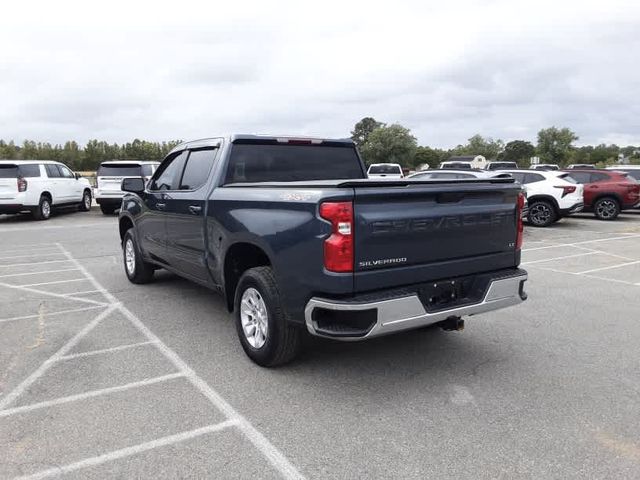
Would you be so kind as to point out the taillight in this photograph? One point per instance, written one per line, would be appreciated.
(520, 224)
(22, 184)
(338, 248)
(566, 190)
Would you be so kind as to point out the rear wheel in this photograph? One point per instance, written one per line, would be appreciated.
(137, 270)
(265, 334)
(107, 209)
(541, 213)
(85, 205)
(43, 210)
(606, 208)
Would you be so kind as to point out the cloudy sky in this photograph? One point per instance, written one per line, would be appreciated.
(447, 70)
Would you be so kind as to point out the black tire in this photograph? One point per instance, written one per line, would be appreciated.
(85, 205)
(138, 271)
(107, 209)
(606, 208)
(282, 342)
(43, 210)
(541, 213)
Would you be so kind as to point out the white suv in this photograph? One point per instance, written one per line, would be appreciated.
(551, 195)
(37, 186)
(109, 180)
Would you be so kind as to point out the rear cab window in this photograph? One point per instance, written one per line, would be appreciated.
(276, 162)
(120, 170)
(385, 169)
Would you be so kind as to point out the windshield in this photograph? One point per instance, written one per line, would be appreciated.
(120, 170)
(291, 163)
(385, 169)
(456, 166)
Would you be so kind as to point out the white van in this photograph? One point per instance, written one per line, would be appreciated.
(109, 180)
(37, 186)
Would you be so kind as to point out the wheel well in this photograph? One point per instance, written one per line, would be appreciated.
(551, 200)
(240, 258)
(611, 195)
(48, 195)
(88, 190)
(124, 225)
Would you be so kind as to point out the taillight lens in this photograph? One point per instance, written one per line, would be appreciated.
(520, 224)
(22, 184)
(338, 248)
(566, 190)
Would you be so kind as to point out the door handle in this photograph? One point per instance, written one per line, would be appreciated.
(195, 209)
(161, 206)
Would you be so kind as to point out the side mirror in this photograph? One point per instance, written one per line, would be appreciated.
(78, 176)
(133, 185)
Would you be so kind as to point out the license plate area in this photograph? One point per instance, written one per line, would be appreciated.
(452, 293)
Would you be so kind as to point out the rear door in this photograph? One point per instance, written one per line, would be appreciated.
(53, 183)
(185, 207)
(407, 234)
(8, 181)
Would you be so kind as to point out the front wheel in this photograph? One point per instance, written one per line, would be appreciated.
(265, 335)
(541, 213)
(137, 270)
(606, 209)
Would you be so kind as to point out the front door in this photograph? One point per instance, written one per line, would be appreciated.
(69, 185)
(186, 247)
(152, 228)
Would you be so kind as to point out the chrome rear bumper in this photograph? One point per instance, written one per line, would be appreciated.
(407, 312)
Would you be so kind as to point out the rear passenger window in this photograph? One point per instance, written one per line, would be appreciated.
(29, 171)
(533, 178)
(197, 170)
(169, 173)
(599, 177)
(519, 177)
(581, 177)
(52, 170)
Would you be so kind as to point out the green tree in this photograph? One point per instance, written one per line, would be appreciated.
(428, 156)
(363, 129)
(29, 150)
(390, 144)
(8, 151)
(479, 145)
(519, 151)
(555, 144)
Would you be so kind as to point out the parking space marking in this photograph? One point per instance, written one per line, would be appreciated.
(610, 267)
(32, 263)
(575, 244)
(26, 383)
(275, 457)
(45, 314)
(605, 253)
(595, 277)
(51, 294)
(80, 293)
(105, 350)
(52, 283)
(90, 394)
(38, 254)
(37, 273)
(559, 258)
(129, 451)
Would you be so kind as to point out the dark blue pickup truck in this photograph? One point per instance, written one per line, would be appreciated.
(296, 238)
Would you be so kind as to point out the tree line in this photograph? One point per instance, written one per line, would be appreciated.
(380, 143)
(88, 157)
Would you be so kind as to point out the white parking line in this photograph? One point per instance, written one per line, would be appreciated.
(30, 255)
(270, 451)
(129, 451)
(559, 258)
(105, 350)
(605, 253)
(32, 263)
(50, 294)
(90, 394)
(580, 243)
(26, 383)
(51, 283)
(46, 314)
(33, 245)
(72, 294)
(610, 267)
(37, 273)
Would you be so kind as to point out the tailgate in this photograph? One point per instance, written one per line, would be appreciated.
(110, 184)
(424, 232)
(8, 181)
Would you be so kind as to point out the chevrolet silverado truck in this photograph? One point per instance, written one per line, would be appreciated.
(297, 239)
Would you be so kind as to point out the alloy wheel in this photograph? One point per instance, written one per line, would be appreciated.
(130, 257)
(254, 317)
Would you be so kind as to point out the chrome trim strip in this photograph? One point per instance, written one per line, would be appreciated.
(407, 313)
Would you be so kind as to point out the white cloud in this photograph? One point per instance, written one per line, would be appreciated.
(161, 70)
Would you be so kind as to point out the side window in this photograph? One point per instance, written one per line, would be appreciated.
(197, 170)
(599, 177)
(581, 177)
(65, 172)
(169, 172)
(533, 178)
(52, 170)
(29, 171)
(519, 177)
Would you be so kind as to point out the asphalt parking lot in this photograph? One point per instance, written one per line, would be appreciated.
(100, 378)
